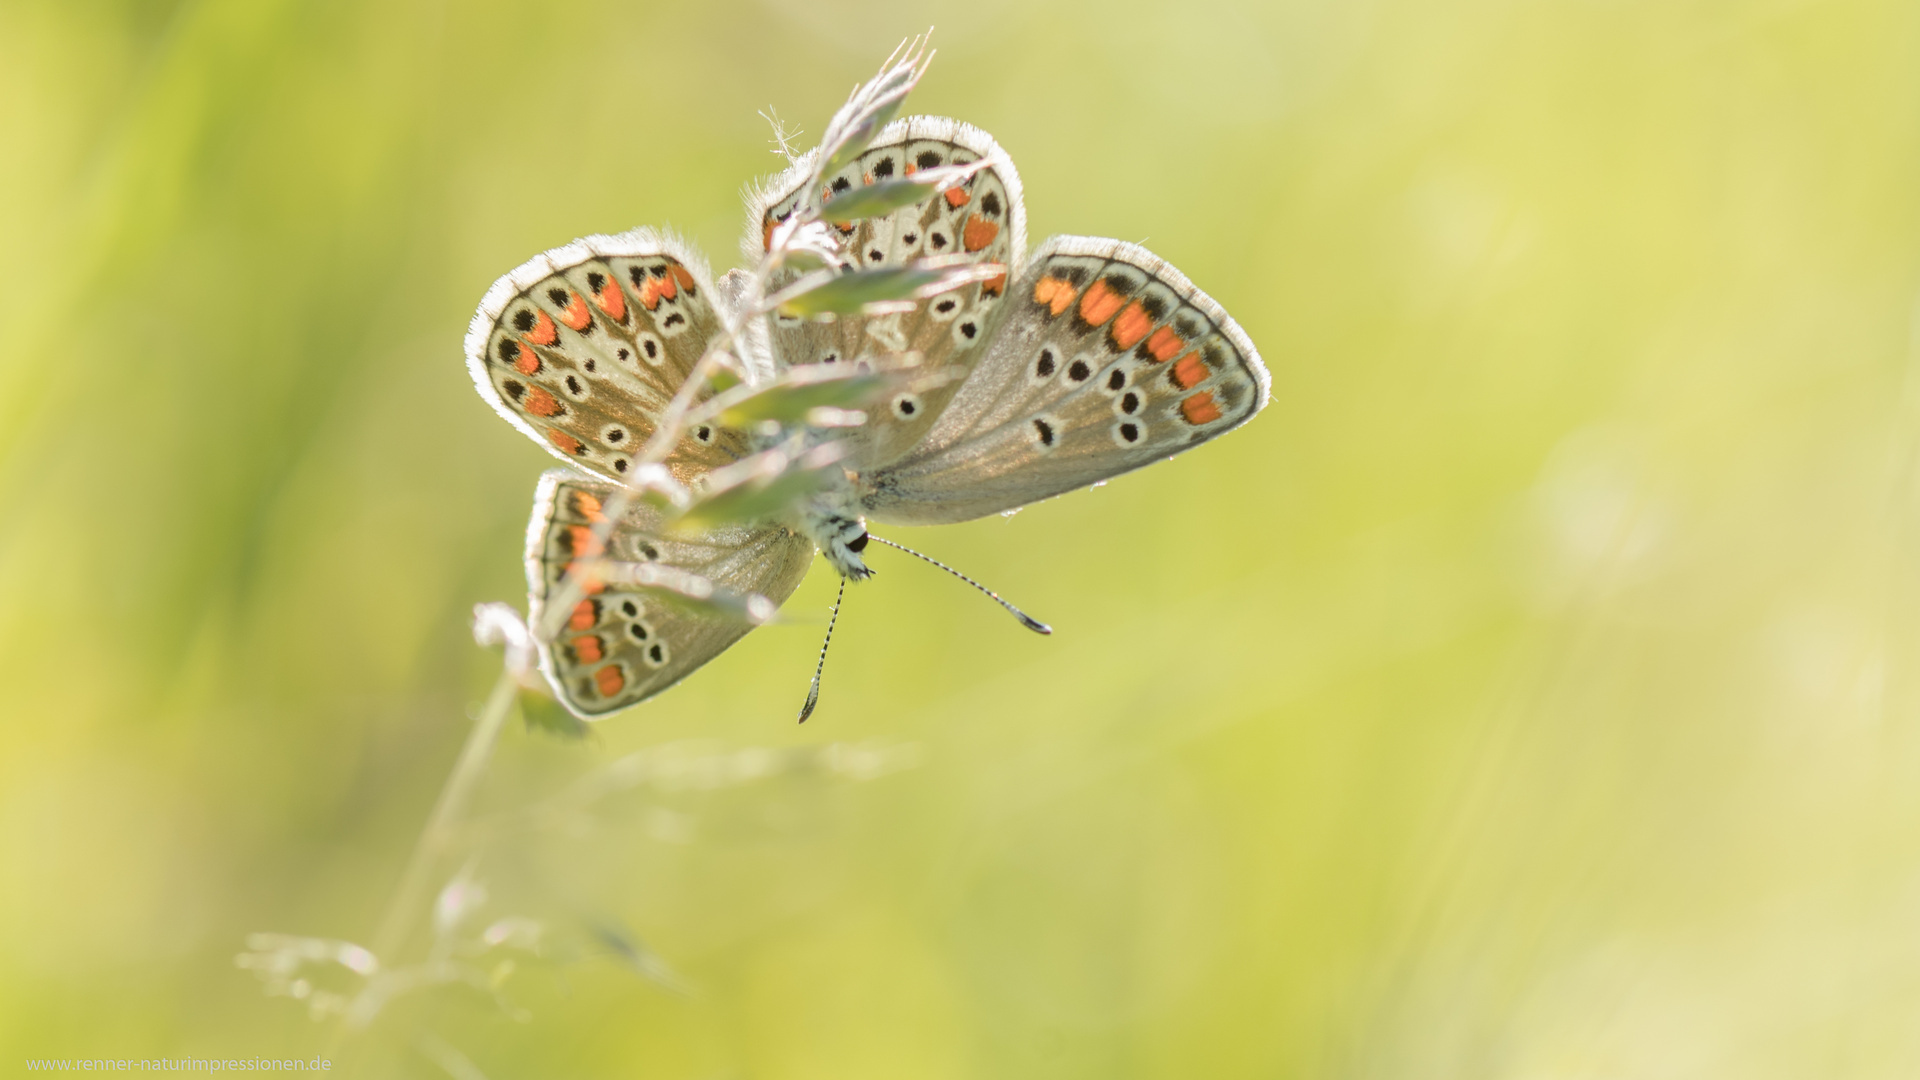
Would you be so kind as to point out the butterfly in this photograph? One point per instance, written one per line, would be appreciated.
(1046, 372)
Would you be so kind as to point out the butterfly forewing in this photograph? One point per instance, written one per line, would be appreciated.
(980, 220)
(583, 347)
(1108, 359)
(618, 644)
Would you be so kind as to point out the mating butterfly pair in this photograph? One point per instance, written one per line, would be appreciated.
(1087, 359)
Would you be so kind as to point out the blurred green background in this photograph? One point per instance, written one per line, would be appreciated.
(1529, 693)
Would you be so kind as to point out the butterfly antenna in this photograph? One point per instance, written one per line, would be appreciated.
(1026, 620)
(813, 692)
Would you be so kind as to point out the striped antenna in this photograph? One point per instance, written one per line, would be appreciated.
(813, 692)
(1026, 620)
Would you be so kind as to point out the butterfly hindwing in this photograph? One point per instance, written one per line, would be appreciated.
(1108, 359)
(582, 348)
(981, 220)
(622, 644)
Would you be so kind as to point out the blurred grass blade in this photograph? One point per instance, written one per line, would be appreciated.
(872, 200)
(762, 486)
(631, 951)
(847, 294)
(653, 484)
(540, 712)
(797, 394)
(854, 127)
(686, 590)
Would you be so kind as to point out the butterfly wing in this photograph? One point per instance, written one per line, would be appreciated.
(981, 220)
(1108, 359)
(582, 347)
(622, 644)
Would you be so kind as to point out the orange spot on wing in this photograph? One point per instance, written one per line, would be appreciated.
(581, 541)
(587, 649)
(684, 276)
(612, 301)
(565, 442)
(609, 680)
(667, 289)
(543, 332)
(1200, 409)
(541, 403)
(1056, 293)
(1189, 371)
(979, 232)
(1164, 343)
(994, 286)
(525, 360)
(957, 196)
(576, 314)
(912, 168)
(587, 507)
(585, 614)
(1100, 303)
(1131, 326)
(650, 294)
(766, 239)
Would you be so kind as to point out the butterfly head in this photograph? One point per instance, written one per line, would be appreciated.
(839, 534)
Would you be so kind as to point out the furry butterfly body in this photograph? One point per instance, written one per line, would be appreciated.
(1037, 375)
